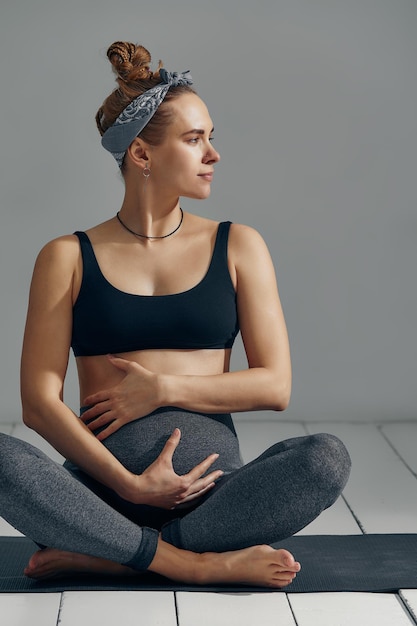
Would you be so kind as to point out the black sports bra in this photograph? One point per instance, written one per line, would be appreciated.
(108, 321)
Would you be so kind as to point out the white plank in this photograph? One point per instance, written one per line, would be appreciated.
(409, 596)
(336, 520)
(21, 609)
(127, 608)
(257, 436)
(381, 491)
(404, 439)
(227, 609)
(348, 609)
(30, 436)
(8, 531)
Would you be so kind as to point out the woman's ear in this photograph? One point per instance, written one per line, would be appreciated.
(138, 153)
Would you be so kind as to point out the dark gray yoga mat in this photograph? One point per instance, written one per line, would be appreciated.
(368, 563)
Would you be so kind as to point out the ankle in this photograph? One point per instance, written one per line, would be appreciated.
(176, 563)
(212, 567)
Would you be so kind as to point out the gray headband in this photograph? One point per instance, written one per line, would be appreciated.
(133, 119)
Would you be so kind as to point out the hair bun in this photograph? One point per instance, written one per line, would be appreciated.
(123, 49)
(130, 61)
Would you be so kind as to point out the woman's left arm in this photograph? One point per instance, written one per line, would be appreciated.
(265, 385)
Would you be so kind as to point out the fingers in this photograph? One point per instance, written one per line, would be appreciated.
(197, 471)
(170, 446)
(121, 364)
(188, 486)
(202, 467)
(106, 432)
(197, 494)
(113, 425)
(105, 394)
(96, 419)
(197, 488)
(98, 400)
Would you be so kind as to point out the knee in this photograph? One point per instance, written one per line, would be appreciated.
(329, 462)
(14, 457)
(7, 463)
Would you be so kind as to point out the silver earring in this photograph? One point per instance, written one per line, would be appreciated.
(146, 173)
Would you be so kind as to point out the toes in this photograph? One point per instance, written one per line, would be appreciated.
(287, 560)
(283, 578)
(283, 582)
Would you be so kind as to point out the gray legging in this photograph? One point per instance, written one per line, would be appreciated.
(264, 501)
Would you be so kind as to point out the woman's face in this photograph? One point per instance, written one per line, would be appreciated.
(183, 164)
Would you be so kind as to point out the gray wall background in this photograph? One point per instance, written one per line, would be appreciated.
(314, 106)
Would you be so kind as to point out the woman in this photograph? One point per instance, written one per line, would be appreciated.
(150, 302)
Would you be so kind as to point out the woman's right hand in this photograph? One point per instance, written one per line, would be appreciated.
(160, 486)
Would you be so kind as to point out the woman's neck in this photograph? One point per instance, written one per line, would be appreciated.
(147, 219)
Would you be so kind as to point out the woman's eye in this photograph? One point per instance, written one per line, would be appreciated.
(196, 140)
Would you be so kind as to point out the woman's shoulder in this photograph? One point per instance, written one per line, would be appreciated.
(239, 232)
(62, 246)
(68, 245)
(58, 258)
(243, 231)
(245, 240)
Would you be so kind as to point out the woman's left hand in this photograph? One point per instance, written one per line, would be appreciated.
(134, 397)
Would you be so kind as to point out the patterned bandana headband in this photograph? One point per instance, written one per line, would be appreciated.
(133, 119)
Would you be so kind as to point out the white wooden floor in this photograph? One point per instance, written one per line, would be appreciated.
(381, 497)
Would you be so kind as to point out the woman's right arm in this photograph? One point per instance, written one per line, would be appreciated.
(44, 364)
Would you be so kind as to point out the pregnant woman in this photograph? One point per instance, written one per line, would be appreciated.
(150, 302)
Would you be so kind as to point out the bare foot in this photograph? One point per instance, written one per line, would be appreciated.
(51, 563)
(258, 565)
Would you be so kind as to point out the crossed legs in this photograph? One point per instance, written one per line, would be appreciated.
(265, 501)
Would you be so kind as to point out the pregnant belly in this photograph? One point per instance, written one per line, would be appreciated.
(139, 443)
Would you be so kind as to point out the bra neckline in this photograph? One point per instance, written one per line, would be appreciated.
(165, 295)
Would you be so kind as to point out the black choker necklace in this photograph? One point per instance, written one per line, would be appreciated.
(151, 236)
